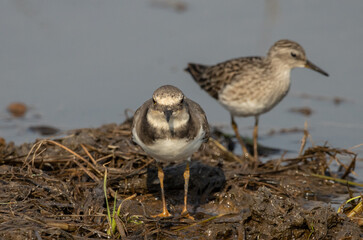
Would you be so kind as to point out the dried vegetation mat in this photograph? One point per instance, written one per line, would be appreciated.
(95, 183)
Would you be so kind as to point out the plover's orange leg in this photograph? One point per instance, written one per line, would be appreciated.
(240, 140)
(165, 212)
(185, 212)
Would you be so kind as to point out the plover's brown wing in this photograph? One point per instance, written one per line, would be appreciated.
(140, 124)
(214, 78)
(199, 118)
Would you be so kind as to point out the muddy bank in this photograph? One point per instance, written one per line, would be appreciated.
(54, 189)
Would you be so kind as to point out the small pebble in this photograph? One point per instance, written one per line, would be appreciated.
(17, 109)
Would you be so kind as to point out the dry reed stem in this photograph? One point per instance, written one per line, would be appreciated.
(37, 145)
(303, 140)
(225, 151)
(78, 156)
(88, 154)
(356, 210)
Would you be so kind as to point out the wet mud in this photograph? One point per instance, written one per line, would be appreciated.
(55, 189)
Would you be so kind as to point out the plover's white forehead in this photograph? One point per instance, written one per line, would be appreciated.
(168, 95)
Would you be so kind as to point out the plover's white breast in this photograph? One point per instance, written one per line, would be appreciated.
(171, 149)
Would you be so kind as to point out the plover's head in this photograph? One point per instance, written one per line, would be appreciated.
(169, 101)
(292, 55)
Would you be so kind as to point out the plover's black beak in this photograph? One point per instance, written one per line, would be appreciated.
(168, 114)
(315, 68)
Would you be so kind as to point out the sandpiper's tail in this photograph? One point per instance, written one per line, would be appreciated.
(196, 70)
(200, 76)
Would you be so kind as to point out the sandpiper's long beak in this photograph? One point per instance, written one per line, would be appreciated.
(315, 68)
(168, 114)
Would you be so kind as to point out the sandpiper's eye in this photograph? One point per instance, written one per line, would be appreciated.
(182, 100)
(154, 101)
(293, 55)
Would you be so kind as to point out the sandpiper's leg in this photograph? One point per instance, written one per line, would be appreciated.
(186, 185)
(244, 149)
(165, 212)
(255, 137)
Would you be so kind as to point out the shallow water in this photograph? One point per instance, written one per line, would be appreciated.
(81, 64)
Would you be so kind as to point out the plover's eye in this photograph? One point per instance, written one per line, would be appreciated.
(293, 55)
(154, 101)
(182, 100)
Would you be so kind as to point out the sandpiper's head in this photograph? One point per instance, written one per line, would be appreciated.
(169, 101)
(290, 53)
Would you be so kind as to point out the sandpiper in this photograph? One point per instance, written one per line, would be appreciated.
(250, 86)
(170, 127)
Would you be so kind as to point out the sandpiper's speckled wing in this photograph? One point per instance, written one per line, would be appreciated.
(214, 78)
